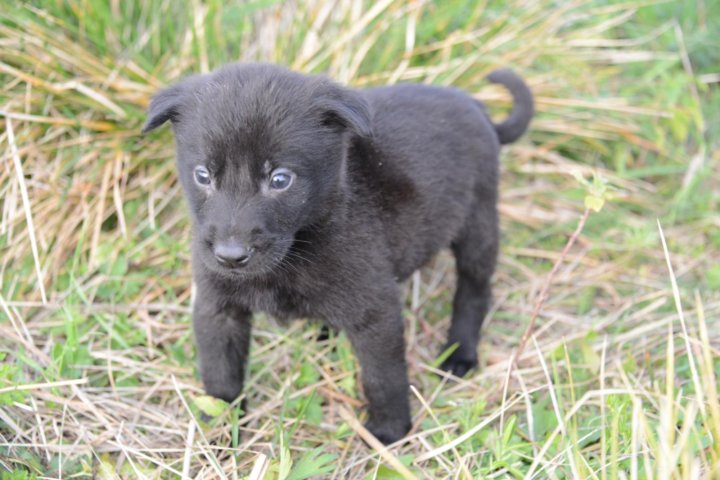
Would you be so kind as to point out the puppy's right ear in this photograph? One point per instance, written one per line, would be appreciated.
(164, 106)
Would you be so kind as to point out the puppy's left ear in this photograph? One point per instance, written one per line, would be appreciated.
(164, 106)
(345, 109)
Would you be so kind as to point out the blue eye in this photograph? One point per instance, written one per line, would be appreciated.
(202, 176)
(281, 179)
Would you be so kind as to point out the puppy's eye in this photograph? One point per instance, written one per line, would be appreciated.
(202, 176)
(281, 179)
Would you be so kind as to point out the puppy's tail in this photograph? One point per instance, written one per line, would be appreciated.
(519, 119)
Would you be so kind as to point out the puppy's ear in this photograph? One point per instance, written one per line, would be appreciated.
(164, 106)
(346, 109)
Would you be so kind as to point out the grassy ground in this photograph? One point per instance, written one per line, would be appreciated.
(618, 377)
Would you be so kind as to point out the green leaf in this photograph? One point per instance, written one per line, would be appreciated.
(579, 177)
(599, 185)
(508, 431)
(713, 277)
(285, 464)
(386, 473)
(106, 468)
(445, 355)
(312, 464)
(591, 359)
(210, 406)
(585, 300)
(308, 375)
(594, 203)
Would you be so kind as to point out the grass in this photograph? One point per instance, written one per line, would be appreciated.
(618, 376)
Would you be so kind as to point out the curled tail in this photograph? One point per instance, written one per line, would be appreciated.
(522, 111)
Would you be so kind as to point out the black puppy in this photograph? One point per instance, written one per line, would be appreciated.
(310, 199)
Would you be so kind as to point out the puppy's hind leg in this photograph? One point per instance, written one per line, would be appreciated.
(475, 251)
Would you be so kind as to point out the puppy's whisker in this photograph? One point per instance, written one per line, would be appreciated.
(296, 255)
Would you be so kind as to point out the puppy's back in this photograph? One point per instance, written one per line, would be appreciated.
(437, 147)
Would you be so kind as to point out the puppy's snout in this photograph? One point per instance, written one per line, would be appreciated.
(232, 254)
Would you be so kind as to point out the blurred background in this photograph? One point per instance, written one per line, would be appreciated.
(620, 377)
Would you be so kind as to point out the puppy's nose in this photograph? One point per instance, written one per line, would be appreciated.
(232, 254)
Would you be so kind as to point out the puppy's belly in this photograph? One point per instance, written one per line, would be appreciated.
(414, 243)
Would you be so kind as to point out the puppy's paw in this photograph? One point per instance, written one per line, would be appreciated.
(459, 364)
(388, 432)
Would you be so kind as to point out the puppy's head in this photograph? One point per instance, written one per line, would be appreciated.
(261, 156)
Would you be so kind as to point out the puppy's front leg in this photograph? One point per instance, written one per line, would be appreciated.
(222, 336)
(380, 347)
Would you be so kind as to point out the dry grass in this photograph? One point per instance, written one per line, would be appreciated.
(619, 377)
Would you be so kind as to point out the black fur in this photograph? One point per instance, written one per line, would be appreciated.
(384, 178)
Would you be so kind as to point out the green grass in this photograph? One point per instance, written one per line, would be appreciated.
(618, 380)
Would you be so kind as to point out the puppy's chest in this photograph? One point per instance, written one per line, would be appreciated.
(285, 302)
